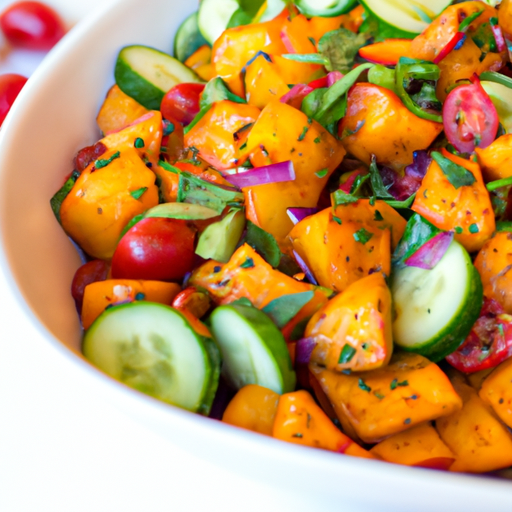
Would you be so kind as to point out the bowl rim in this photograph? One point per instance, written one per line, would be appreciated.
(214, 435)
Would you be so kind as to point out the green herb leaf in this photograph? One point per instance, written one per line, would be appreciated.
(362, 384)
(263, 243)
(378, 216)
(402, 204)
(340, 48)
(473, 229)
(99, 164)
(168, 167)
(242, 301)
(217, 90)
(310, 58)
(284, 309)
(457, 175)
(340, 197)
(467, 21)
(322, 173)
(139, 143)
(57, 200)
(347, 353)
(363, 236)
(379, 189)
(137, 194)
(248, 263)
(394, 384)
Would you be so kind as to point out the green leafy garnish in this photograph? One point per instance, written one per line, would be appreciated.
(340, 48)
(137, 194)
(248, 263)
(99, 164)
(362, 384)
(263, 243)
(347, 353)
(57, 200)
(283, 309)
(457, 175)
(340, 197)
(363, 236)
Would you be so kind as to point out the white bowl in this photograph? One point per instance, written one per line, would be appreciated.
(54, 117)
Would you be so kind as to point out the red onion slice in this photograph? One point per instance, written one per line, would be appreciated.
(287, 43)
(430, 253)
(333, 77)
(298, 214)
(304, 349)
(501, 45)
(305, 269)
(454, 41)
(274, 173)
(297, 92)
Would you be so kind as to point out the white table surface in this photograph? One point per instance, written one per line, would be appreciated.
(62, 451)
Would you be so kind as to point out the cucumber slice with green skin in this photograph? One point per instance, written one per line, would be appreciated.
(436, 309)
(214, 17)
(407, 15)
(253, 348)
(274, 8)
(188, 38)
(147, 74)
(325, 8)
(500, 93)
(153, 348)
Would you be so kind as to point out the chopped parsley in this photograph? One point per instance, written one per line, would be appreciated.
(347, 353)
(363, 236)
(137, 194)
(378, 216)
(248, 263)
(322, 173)
(473, 229)
(364, 386)
(139, 143)
(99, 164)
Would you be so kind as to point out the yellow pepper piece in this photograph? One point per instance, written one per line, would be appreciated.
(496, 160)
(118, 111)
(496, 391)
(99, 295)
(253, 408)
(468, 207)
(300, 420)
(353, 330)
(480, 442)
(420, 446)
(100, 203)
(383, 402)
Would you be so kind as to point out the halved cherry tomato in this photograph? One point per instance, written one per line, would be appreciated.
(10, 86)
(32, 25)
(182, 102)
(90, 272)
(158, 249)
(489, 342)
(470, 118)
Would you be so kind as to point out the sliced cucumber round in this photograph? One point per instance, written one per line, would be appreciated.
(153, 348)
(325, 8)
(412, 16)
(436, 309)
(188, 38)
(146, 74)
(253, 349)
(273, 9)
(214, 16)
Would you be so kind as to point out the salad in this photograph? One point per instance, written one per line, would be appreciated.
(300, 224)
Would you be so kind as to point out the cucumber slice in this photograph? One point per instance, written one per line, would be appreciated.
(273, 9)
(501, 96)
(214, 16)
(153, 348)
(436, 309)
(188, 38)
(411, 16)
(325, 8)
(253, 349)
(146, 74)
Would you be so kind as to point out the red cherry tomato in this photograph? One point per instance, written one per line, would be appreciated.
(489, 342)
(470, 118)
(31, 25)
(10, 87)
(182, 103)
(158, 249)
(91, 272)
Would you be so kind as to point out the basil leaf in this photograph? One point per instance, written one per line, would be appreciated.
(263, 243)
(57, 200)
(340, 48)
(417, 233)
(379, 189)
(283, 309)
(341, 198)
(457, 175)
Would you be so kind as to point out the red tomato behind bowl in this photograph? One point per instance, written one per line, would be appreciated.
(158, 249)
(90, 272)
(31, 25)
(10, 86)
(182, 103)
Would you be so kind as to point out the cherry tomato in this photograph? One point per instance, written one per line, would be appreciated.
(158, 249)
(10, 87)
(489, 342)
(182, 103)
(31, 25)
(91, 272)
(470, 118)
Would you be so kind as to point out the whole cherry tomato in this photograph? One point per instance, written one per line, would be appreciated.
(90, 272)
(31, 25)
(158, 249)
(182, 103)
(489, 342)
(470, 118)
(10, 87)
